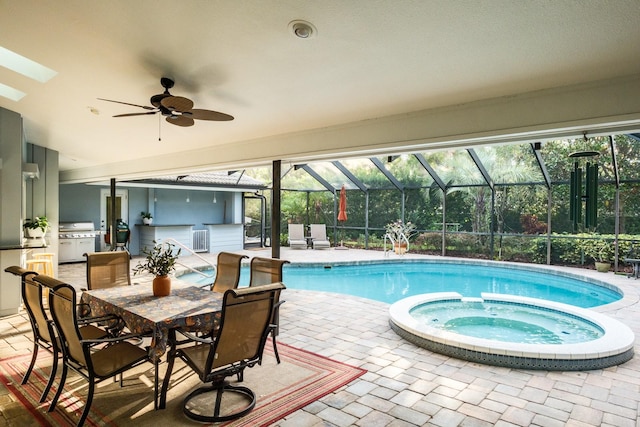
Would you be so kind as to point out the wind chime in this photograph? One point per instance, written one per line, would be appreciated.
(587, 193)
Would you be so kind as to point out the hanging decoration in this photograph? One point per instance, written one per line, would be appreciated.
(587, 192)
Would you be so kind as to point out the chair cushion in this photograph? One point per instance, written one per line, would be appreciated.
(111, 359)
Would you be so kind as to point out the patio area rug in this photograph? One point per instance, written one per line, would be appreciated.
(281, 389)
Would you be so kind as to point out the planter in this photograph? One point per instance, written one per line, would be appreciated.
(161, 286)
(603, 267)
(35, 233)
(400, 248)
(147, 221)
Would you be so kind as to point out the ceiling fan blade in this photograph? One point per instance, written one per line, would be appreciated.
(155, 99)
(183, 121)
(200, 114)
(146, 107)
(135, 114)
(177, 103)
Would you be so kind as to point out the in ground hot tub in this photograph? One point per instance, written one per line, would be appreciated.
(511, 331)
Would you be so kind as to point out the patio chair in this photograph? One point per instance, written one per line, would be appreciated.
(238, 344)
(297, 240)
(263, 272)
(227, 271)
(82, 355)
(44, 335)
(319, 236)
(108, 270)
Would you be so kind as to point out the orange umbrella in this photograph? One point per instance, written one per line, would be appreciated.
(342, 210)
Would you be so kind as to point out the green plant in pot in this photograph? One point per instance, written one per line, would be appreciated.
(600, 251)
(147, 218)
(36, 227)
(160, 261)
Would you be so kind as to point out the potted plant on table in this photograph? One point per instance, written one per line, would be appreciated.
(400, 233)
(147, 218)
(160, 261)
(37, 227)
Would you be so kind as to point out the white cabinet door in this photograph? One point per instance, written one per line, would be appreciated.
(85, 246)
(66, 250)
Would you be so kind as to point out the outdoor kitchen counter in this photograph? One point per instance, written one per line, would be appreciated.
(225, 237)
(160, 232)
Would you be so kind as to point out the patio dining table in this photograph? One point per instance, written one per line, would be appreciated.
(188, 307)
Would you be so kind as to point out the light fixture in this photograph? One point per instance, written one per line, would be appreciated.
(188, 200)
(302, 29)
(214, 197)
(31, 170)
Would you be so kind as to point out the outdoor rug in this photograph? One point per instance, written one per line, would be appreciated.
(281, 389)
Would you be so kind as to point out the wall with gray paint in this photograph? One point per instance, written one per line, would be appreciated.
(80, 202)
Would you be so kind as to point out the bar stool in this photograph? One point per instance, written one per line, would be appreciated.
(40, 266)
(45, 255)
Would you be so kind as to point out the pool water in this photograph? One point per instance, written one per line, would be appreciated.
(515, 323)
(389, 282)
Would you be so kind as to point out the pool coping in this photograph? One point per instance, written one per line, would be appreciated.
(615, 347)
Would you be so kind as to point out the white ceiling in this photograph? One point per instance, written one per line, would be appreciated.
(369, 59)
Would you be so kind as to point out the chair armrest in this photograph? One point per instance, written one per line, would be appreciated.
(97, 319)
(111, 340)
(192, 337)
(83, 309)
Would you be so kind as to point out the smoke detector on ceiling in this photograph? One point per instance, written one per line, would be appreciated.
(302, 29)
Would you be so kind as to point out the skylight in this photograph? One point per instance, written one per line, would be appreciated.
(11, 93)
(25, 66)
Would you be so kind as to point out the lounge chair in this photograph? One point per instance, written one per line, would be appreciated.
(319, 236)
(296, 237)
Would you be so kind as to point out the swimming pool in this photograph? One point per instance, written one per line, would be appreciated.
(392, 281)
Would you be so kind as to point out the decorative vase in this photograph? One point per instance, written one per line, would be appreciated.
(603, 267)
(161, 286)
(400, 248)
(147, 221)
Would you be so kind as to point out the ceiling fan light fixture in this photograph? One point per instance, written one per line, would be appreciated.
(302, 29)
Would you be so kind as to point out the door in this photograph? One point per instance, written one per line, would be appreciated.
(122, 212)
(253, 221)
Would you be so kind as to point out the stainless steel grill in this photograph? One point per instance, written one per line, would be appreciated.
(75, 239)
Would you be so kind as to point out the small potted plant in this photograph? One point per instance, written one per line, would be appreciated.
(147, 218)
(400, 233)
(601, 251)
(36, 227)
(160, 261)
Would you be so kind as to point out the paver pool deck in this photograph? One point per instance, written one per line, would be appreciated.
(406, 385)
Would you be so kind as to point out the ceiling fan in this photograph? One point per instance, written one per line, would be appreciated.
(178, 110)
